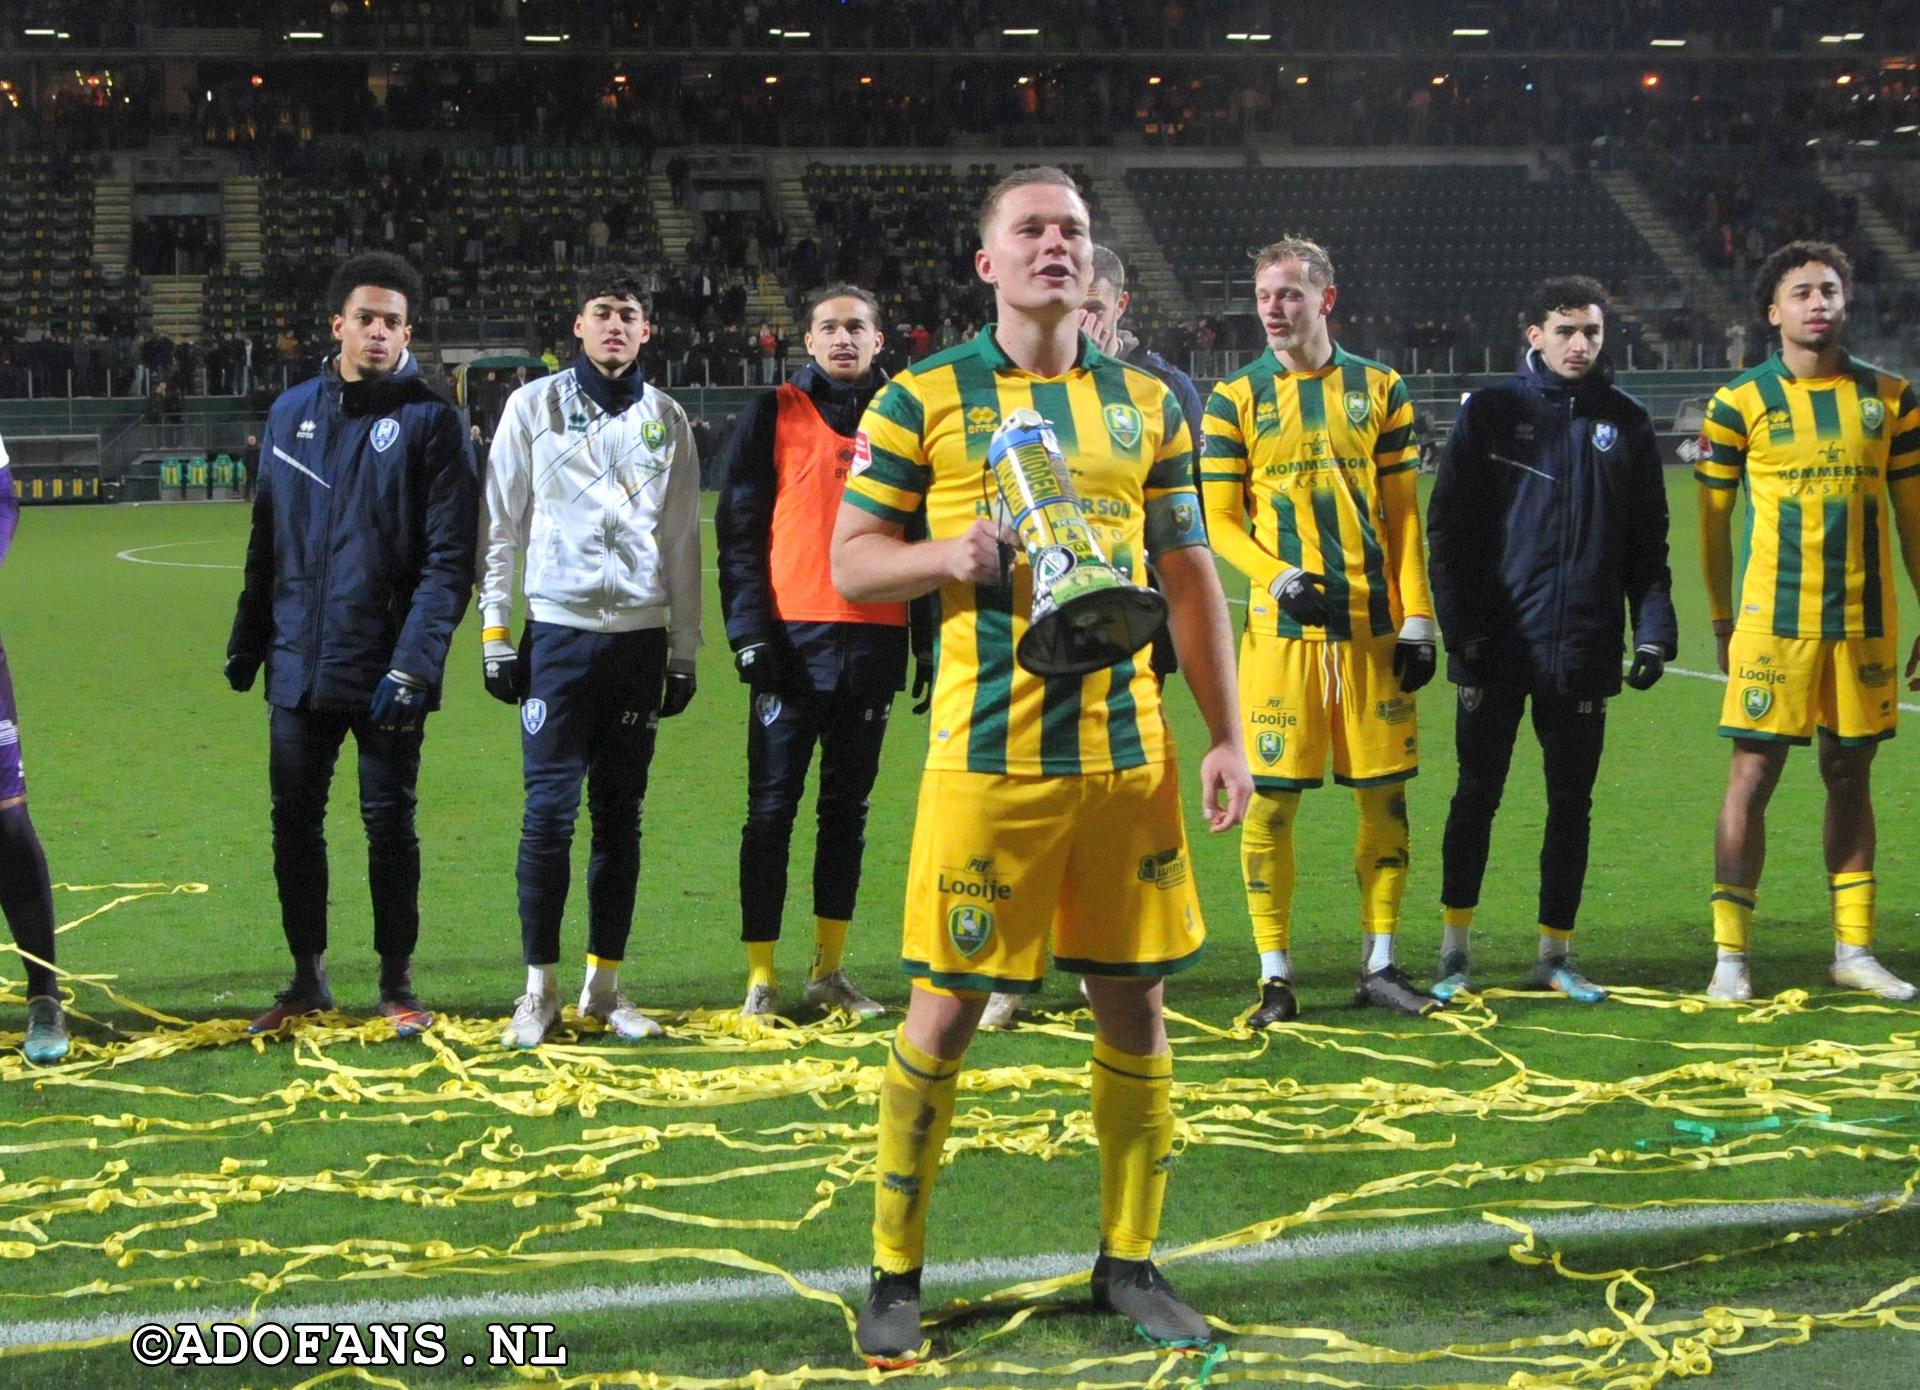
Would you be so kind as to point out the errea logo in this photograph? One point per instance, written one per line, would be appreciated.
(305, 431)
(982, 419)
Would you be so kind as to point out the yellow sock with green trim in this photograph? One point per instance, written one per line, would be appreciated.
(1852, 907)
(829, 944)
(759, 963)
(1266, 863)
(1733, 916)
(1553, 942)
(916, 1109)
(1133, 1121)
(1380, 854)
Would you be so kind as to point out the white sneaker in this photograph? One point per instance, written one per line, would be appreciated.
(1864, 972)
(620, 1016)
(763, 1001)
(533, 1017)
(1000, 1010)
(1731, 984)
(834, 990)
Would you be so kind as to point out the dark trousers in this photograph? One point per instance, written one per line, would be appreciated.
(849, 726)
(590, 716)
(303, 745)
(1571, 733)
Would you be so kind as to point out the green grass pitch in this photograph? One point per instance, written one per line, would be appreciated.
(175, 1168)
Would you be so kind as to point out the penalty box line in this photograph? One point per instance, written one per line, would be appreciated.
(851, 1280)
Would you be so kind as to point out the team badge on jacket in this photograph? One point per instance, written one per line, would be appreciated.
(1604, 434)
(653, 433)
(766, 709)
(1872, 412)
(533, 714)
(384, 433)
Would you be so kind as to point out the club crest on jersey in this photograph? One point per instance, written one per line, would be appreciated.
(1756, 700)
(533, 715)
(1604, 434)
(1873, 412)
(384, 433)
(1270, 745)
(653, 433)
(1123, 423)
(969, 927)
(1358, 407)
(766, 708)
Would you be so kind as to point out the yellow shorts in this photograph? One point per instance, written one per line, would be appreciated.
(1094, 867)
(1300, 698)
(1786, 688)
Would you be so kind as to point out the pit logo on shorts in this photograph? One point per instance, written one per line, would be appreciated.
(1270, 745)
(653, 433)
(1873, 413)
(1358, 407)
(969, 926)
(1604, 434)
(384, 433)
(533, 715)
(1756, 701)
(1123, 423)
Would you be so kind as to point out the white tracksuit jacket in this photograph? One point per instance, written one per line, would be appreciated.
(606, 507)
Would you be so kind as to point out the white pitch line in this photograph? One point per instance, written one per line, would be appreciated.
(852, 1279)
(134, 556)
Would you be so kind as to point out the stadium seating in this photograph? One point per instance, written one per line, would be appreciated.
(47, 281)
(1406, 240)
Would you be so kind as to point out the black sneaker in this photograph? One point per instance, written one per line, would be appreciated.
(1139, 1292)
(888, 1328)
(1277, 1004)
(1390, 988)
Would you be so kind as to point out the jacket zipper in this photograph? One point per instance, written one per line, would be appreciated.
(319, 619)
(1570, 462)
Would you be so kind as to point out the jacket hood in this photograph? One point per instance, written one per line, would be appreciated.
(1535, 373)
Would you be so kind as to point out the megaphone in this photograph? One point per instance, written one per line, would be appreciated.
(1086, 614)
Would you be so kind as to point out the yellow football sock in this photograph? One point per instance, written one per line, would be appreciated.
(1732, 916)
(759, 963)
(829, 944)
(1380, 853)
(1852, 907)
(1460, 918)
(1133, 1121)
(1266, 862)
(916, 1109)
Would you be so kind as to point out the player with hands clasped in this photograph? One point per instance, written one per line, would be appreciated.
(358, 569)
(1547, 531)
(820, 668)
(1311, 493)
(1049, 814)
(1827, 450)
(593, 476)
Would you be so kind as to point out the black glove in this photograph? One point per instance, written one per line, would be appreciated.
(1303, 595)
(399, 703)
(922, 685)
(1467, 664)
(240, 671)
(1648, 666)
(762, 666)
(1415, 657)
(505, 672)
(678, 693)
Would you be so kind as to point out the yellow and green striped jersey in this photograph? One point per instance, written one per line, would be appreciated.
(923, 445)
(1317, 469)
(1825, 463)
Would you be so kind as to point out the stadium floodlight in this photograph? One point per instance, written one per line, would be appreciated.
(38, 33)
(305, 34)
(1845, 79)
(798, 34)
(1300, 81)
(1155, 80)
(1440, 81)
(1667, 43)
(1236, 38)
(1021, 33)
(1833, 38)
(1471, 33)
(1854, 37)
(1258, 38)
(547, 38)
(1905, 129)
